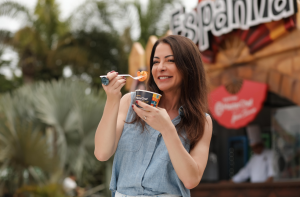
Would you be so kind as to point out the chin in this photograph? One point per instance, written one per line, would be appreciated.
(163, 88)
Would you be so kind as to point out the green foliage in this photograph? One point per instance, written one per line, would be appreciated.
(94, 53)
(152, 20)
(45, 45)
(96, 47)
(24, 152)
(14, 9)
(47, 130)
(73, 111)
(7, 85)
(37, 40)
(47, 23)
(50, 190)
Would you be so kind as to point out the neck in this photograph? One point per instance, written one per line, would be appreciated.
(170, 100)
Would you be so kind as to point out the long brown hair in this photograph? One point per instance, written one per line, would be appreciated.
(193, 88)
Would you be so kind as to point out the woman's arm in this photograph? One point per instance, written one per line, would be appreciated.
(112, 122)
(188, 166)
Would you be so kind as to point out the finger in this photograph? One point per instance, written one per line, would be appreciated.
(119, 84)
(108, 74)
(145, 106)
(111, 72)
(111, 75)
(117, 81)
(140, 112)
(114, 80)
(120, 87)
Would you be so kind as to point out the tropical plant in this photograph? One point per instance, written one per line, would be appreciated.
(49, 190)
(46, 45)
(24, 155)
(154, 19)
(8, 84)
(36, 41)
(47, 130)
(5, 84)
(72, 110)
(96, 45)
(3, 62)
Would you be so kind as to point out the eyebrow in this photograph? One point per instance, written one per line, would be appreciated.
(165, 56)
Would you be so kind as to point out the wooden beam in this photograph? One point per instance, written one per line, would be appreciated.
(136, 62)
(298, 15)
(287, 85)
(149, 46)
(274, 81)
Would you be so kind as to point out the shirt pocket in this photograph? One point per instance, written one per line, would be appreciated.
(162, 150)
(131, 139)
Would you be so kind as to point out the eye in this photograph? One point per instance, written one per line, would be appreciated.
(171, 60)
(155, 62)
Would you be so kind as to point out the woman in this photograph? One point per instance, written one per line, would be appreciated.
(158, 151)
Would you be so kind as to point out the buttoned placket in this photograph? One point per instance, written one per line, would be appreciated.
(147, 158)
(150, 151)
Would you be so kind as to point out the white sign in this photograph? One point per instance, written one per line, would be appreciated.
(222, 16)
(239, 108)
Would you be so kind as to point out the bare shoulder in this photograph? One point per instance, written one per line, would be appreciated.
(123, 110)
(125, 103)
(208, 124)
(126, 98)
(202, 146)
(207, 129)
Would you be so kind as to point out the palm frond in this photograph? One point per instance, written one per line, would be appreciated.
(26, 146)
(28, 40)
(47, 23)
(74, 114)
(50, 123)
(5, 36)
(152, 20)
(14, 9)
(25, 151)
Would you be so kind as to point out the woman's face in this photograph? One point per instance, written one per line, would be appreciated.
(164, 71)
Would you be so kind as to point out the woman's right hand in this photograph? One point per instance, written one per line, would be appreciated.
(113, 89)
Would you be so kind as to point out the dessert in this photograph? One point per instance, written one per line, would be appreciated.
(142, 73)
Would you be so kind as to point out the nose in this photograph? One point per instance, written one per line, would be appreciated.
(161, 66)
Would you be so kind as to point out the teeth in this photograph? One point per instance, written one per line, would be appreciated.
(163, 77)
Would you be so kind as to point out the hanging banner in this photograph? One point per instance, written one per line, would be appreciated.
(236, 111)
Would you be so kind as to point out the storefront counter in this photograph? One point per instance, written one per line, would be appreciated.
(275, 189)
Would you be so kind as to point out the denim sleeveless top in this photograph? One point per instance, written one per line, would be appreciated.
(142, 165)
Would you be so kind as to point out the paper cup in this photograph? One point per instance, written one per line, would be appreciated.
(150, 98)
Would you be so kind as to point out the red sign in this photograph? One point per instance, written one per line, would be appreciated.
(237, 110)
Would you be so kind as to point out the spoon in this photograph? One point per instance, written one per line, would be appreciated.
(105, 80)
(125, 75)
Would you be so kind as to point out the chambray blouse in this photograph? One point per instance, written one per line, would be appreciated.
(142, 165)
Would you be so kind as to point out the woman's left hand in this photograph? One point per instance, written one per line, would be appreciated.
(156, 117)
